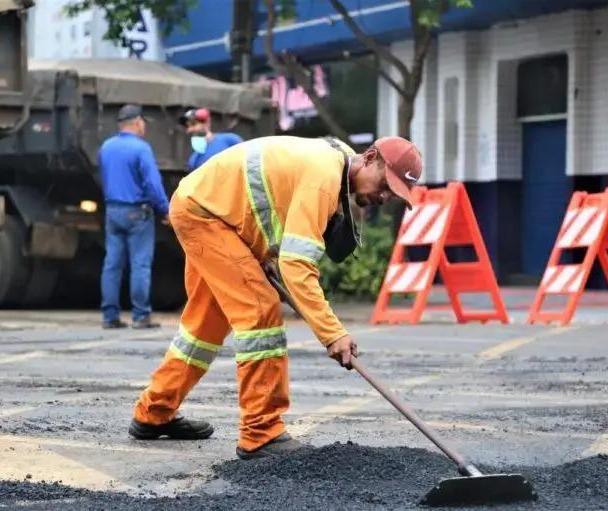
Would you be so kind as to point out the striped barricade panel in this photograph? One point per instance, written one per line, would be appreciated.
(438, 215)
(584, 227)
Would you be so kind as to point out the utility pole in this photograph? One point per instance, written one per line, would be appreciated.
(241, 39)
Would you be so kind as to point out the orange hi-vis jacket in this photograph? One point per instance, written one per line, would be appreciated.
(278, 193)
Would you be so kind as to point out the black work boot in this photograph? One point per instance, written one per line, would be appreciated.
(280, 446)
(179, 428)
(115, 323)
(140, 324)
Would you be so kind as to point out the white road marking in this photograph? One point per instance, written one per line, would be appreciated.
(600, 446)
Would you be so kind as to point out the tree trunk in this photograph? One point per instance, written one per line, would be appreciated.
(406, 114)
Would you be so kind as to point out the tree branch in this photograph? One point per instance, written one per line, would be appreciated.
(289, 66)
(380, 51)
(377, 68)
(422, 43)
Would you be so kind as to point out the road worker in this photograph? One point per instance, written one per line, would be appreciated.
(205, 143)
(274, 197)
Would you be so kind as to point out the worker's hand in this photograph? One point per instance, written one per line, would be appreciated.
(165, 220)
(343, 350)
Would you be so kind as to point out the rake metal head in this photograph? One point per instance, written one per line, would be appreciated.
(486, 489)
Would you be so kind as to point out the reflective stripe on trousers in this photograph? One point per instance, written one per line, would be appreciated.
(192, 350)
(260, 344)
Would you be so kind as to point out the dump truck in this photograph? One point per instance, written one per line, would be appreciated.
(54, 116)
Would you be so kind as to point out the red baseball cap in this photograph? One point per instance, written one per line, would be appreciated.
(194, 114)
(403, 165)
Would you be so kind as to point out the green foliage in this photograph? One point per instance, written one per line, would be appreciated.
(430, 11)
(360, 276)
(123, 15)
(286, 9)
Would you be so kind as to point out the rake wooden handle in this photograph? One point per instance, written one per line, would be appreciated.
(413, 417)
(464, 467)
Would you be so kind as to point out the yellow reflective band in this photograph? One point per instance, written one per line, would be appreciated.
(261, 355)
(196, 341)
(254, 334)
(188, 360)
(291, 255)
(260, 197)
(304, 238)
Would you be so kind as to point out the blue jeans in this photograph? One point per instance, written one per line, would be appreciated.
(129, 234)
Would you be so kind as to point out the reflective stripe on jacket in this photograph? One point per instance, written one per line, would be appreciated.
(279, 194)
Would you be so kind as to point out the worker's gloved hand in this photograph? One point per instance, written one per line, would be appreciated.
(165, 220)
(343, 350)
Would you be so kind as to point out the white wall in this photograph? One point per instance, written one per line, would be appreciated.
(485, 65)
(53, 35)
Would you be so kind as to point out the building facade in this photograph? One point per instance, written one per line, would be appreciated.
(513, 102)
(54, 35)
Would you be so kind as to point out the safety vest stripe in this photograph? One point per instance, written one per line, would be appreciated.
(299, 247)
(260, 344)
(261, 355)
(188, 360)
(260, 197)
(263, 332)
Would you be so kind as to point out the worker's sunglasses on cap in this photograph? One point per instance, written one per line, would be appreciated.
(194, 115)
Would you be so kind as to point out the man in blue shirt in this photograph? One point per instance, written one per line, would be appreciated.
(205, 143)
(133, 193)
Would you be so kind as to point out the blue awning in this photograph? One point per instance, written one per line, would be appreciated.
(319, 33)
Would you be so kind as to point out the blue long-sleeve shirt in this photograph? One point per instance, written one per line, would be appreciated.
(129, 173)
(218, 142)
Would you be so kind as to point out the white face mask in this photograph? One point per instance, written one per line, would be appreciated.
(199, 144)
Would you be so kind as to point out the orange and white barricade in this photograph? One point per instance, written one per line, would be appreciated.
(440, 218)
(584, 228)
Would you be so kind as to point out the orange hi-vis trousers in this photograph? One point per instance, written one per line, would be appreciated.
(226, 289)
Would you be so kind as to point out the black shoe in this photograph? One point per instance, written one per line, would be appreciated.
(179, 428)
(144, 323)
(115, 323)
(280, 446)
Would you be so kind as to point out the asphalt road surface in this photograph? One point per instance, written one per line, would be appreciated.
(520, 398)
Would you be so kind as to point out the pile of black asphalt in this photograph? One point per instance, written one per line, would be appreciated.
(338, 476)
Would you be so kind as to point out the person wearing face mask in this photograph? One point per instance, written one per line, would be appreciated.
(270, 198)
(205, 143)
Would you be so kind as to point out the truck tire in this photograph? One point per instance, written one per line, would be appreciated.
(14, 268)
(167, 291)
(42, 283)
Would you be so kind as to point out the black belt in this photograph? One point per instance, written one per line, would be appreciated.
(127, 204)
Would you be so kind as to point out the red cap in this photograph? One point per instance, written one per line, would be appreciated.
(403, 165)
(195, 114)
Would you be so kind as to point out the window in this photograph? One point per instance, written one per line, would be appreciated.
(542, 86)
(73, 32)
(86, 28)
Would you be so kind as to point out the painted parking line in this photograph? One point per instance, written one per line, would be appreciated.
(78, 346)
(17, 410)
(502, 348)
(308, 423)
(48, 442)
(24, 459)
(315, 342)
(349, 405)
